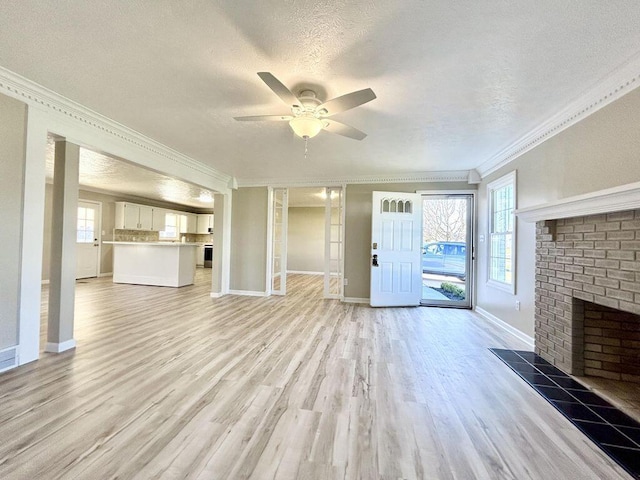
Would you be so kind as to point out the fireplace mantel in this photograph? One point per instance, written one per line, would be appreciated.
(624, 197)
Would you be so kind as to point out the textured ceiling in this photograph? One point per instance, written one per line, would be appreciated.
(457, 81)
(113, 175)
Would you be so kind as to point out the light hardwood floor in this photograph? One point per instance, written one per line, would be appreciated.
(169, 383)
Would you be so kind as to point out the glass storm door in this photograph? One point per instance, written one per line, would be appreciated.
(446, 249)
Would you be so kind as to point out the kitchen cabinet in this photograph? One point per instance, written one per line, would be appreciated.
(205, 222)
(188, 223)
(131, 216)
(200, 256)
(159, 219)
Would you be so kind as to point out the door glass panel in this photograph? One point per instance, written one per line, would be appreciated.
(279, 206)
(446, 249)
(333, 261)
(85, 225)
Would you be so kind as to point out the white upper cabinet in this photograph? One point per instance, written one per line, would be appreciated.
(188, 223)
(158, 219)
(131, 216)
(205, 222)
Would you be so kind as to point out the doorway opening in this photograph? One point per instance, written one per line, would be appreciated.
(306, 241)
(447, 249)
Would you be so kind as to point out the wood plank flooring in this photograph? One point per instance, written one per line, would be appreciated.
(168, 383)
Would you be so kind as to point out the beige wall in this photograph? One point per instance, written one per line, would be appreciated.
(249, 239)
(305, 239)
(358, 229)
(601, 151)
(13, 116)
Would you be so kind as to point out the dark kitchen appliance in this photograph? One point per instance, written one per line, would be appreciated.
(208, 256)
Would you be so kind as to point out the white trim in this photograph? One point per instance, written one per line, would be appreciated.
(105, 274)
(520, 335)
(33, 202)
(617, 84)
(473, 192)
(248, 293)
(357, 300)
(422, 177)
(83, 120)
(217, 294)
(507, 179)
(624, 197)
(304, 272)
(60, 347)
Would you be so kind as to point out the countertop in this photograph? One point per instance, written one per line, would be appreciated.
(157, 244)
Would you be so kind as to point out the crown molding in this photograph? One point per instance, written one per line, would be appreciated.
(36, 95)
(422, 177)
(617, 84)
(616, 199)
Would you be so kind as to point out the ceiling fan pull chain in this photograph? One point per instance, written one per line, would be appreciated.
(306, 140)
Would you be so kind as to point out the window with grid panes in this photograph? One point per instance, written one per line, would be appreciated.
(502, 235)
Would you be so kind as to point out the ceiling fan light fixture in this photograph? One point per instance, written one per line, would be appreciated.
(306, 126)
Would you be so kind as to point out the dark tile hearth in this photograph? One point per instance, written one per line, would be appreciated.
(616, 433)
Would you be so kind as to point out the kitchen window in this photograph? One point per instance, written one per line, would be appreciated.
(170, 231)
(501, 195)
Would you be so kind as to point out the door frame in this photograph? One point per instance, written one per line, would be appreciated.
(98, 233)
(270, 189)
(270, 220)
(471, 274)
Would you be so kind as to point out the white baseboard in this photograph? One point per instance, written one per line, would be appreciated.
(106, 274)
(60, 347)
(248, 293)
(356, 300)
(523, 337)
(304, 272)
(217, 294)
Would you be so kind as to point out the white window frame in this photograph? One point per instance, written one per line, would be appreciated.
(163, 234)
(504, 181)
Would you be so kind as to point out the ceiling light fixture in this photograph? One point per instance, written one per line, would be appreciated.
(306, 125)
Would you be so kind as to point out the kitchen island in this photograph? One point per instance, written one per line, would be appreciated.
(164, 264)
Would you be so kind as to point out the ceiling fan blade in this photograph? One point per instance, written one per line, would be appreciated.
(344, 130)
(279, 89)
(346, 102)
(267, 118)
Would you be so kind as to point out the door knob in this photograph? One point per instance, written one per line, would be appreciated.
(374, 261)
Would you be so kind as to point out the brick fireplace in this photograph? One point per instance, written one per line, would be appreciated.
(587, 305)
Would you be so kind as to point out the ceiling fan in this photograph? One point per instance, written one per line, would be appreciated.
(308, 114)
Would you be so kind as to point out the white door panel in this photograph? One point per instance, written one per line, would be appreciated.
(396, 231)
(88, 239)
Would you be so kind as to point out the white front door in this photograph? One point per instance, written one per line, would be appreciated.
(88, 239)
(396, 235)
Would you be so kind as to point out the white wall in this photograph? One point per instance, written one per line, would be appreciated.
(13, 115)
(600, 152)
(305, 239)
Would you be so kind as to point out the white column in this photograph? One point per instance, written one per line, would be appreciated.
(63, 248)
(221, 245)
(32, 236)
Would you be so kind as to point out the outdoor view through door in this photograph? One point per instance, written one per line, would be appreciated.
(446, 249)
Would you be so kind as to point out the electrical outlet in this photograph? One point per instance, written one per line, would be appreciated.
(346, 282)
(517, 304)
